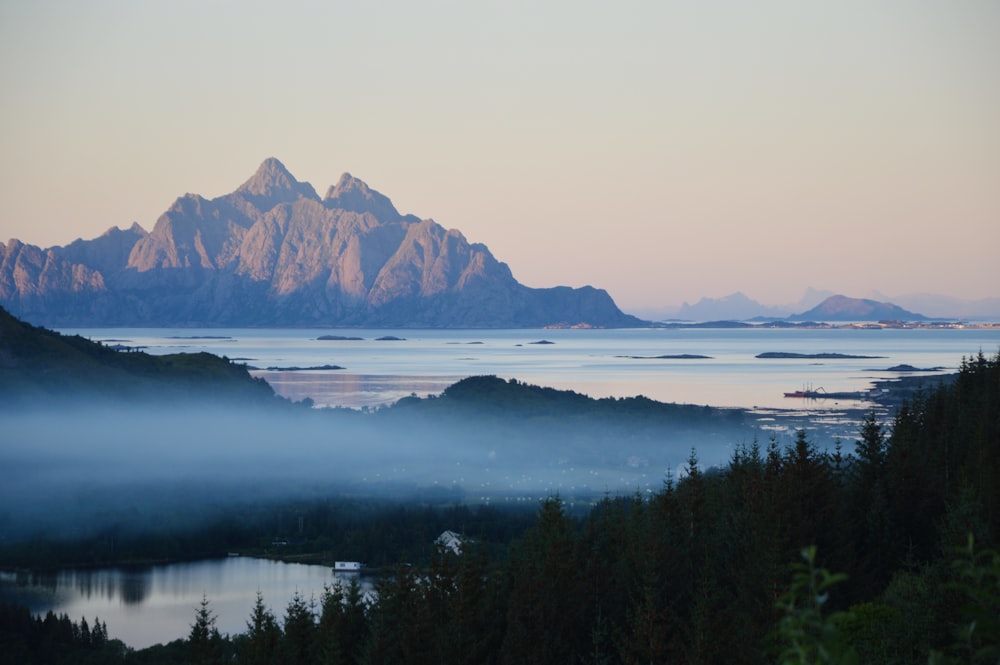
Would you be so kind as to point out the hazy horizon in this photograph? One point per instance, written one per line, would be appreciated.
(669, 151)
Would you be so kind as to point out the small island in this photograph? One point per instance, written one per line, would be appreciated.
(677, 356)
(302, 369)
(339, 338)
(199, 337)
(771, 355)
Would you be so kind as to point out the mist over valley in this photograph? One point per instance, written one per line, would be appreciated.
(83, 464)
(103, 434)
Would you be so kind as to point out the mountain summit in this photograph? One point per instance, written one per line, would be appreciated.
(273, 182)
(272, 253)
(843, 308)
(354, 195)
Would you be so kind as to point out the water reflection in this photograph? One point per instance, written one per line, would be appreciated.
(134, 587)
(144, 606)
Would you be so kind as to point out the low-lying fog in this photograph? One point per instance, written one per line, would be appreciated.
(75, 467)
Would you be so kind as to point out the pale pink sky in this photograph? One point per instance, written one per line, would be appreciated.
(663, 151)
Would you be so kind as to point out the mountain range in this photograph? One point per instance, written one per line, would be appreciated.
(833, 307)
(273, 253)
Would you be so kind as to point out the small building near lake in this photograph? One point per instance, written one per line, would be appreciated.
(347, 566)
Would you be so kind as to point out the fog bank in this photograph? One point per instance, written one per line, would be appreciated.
(68, 469)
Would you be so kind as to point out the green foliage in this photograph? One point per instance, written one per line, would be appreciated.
(978, 632)
(872, 629)
(806, 635)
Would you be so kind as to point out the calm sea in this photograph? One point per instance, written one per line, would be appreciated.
(146, 606)
(382, 366)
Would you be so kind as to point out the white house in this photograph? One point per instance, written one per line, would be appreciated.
(450, 541)
(347, 566)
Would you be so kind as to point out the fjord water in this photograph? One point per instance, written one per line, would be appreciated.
(381, 366)
(146, 606)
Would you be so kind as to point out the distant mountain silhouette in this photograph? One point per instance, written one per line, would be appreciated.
(272, 253)
(736, 307)
(842, 308)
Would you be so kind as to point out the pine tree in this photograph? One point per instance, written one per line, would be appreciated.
(809, 498)
(84, 632)
(545, 620)
(343, 627)
(329, 648)
(98, 634)
(613, 550)
(204, 641)
(394, 622)
(299, 632)
(869, 519)
(263, 635)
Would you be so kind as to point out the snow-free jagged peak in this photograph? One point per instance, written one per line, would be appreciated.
(354, 195)
(272, 253)
(272, 180)
(136, 230)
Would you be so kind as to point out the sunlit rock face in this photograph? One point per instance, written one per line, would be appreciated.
(273, 253)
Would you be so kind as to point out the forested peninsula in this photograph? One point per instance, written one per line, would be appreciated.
(39, 365)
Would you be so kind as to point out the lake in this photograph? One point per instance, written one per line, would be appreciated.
(146, 606)
(600, 363)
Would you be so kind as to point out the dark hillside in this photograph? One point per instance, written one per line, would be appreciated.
(36, 363)
(563, 427)
(493, 397)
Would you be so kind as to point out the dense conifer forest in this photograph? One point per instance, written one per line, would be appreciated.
(886, 554)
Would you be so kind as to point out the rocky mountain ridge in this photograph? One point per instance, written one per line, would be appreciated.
(273, 253)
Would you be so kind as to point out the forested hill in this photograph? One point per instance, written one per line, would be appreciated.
(510, 411)
(39, 364)
(556, 431)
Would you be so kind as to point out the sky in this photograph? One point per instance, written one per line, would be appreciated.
(664, 151)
